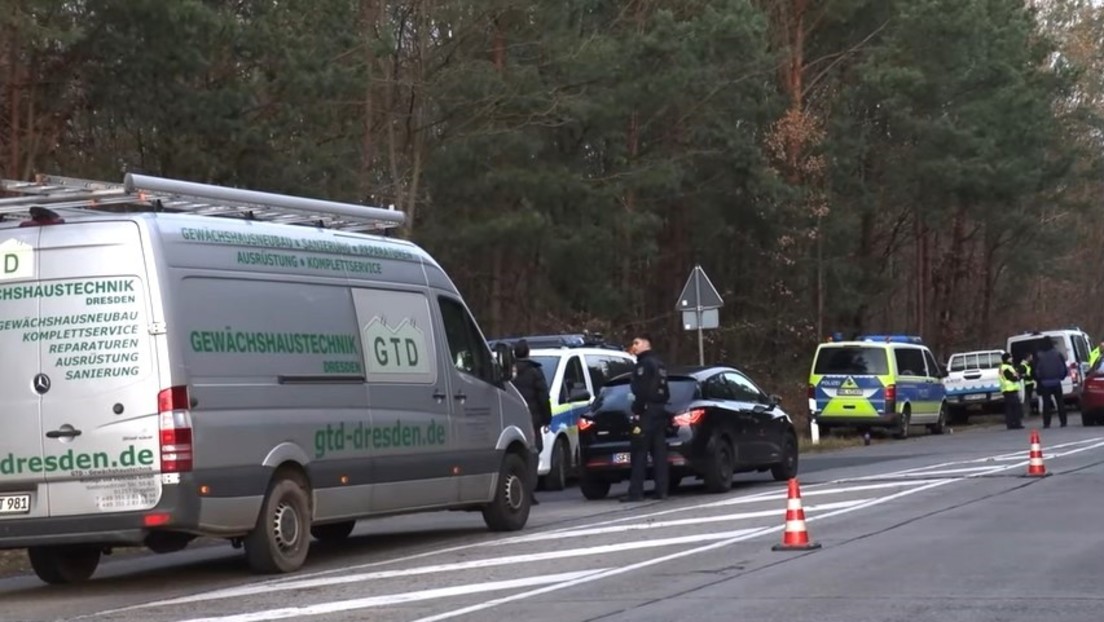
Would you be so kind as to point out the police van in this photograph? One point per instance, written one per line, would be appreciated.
(234, 364)
(887, 382)
(575, 366)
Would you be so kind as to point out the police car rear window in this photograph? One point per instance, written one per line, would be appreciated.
(851, 360)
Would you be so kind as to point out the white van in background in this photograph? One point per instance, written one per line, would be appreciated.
(1072, 343)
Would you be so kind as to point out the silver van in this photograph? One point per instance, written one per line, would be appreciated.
(173, 375)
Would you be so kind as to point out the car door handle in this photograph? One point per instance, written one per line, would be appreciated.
(437, 395)
(460, 396)
(63, 433)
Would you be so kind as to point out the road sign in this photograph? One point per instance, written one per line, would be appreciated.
(699, 303)
(699, 293)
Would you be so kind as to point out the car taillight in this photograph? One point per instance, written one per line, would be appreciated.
(689, 417)
(585, 423)
(174, 412)
(1075, 374)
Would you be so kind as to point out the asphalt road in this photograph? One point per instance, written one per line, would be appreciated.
(932, 528)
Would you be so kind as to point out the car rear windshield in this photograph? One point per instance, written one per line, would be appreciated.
(975, 360)
(616, 395)
(851, 360)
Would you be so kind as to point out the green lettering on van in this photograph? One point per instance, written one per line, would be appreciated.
(90, 287)
(360, 436)
(231, 341)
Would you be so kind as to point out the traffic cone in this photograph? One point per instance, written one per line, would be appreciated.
(796, 536)
(1035, 466)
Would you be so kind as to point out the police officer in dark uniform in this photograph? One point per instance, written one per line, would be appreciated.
(650, 419)
(529, 380)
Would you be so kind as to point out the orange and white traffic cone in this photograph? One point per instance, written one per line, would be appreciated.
(796, 536)
(1035, 466)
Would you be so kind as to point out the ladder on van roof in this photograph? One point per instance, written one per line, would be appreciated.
(161, 194)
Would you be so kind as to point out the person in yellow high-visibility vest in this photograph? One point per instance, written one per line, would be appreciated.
(1094, 355)
(1010, 388)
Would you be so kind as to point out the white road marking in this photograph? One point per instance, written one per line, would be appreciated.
(662, 560)
(395, 599)
(306, 584)
(684, 522)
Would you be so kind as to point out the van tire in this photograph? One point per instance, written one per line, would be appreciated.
(901, 432)
(279, 542)
(940, 425)
(557, 467)
(721, 466)
(509, 511)
(59, 565)
(333, 532)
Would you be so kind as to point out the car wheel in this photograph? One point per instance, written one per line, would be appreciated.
(333, 532)
(557, 471)
(58, 565)
(957, 415)
(279, 542)
(902, 431)
(593, 488)
(940, 425)
(509, 511)
(787, 469)
(719, 472)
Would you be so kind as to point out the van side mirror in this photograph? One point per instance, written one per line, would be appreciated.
(503, 362)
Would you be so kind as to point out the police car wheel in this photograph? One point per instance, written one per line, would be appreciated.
(557, 472)
(509, 511)
(940, 425)
(58, 565)
(902, 431)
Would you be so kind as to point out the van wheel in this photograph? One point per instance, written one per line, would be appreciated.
(279, 542)
(557, 471)
(787, 469)
(719, 472)
(509, 511)
(593, 488)
(58, 565)
(940, 425)
(902, 431)
(332, 532)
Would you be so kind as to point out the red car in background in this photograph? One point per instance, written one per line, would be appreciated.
(1092, 396)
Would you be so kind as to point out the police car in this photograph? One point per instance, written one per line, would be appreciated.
(877, 381)
(575, 367)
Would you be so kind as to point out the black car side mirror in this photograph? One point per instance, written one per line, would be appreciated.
(775, 400)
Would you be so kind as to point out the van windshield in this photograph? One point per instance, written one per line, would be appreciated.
(851, 360)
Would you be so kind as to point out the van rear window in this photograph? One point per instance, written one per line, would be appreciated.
(1020, 349)
(851, 360)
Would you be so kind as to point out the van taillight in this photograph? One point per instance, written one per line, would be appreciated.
(175, 421)
(890, 398)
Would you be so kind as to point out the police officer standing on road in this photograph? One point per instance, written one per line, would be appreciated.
(530, 382)
(1027, 374)
(1010, 388)
(650, 419)
(1050, 371)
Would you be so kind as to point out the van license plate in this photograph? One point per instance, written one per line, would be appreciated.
(850, 392)
(15, 504)
(621, 458)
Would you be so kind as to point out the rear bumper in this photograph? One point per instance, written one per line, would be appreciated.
(613, 462)
(879, 421)
(118, 529)
(975, 399)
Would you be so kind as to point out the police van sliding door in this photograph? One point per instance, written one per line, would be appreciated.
(99, 405)
(22, 481)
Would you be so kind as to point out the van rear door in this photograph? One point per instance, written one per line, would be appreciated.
(22, 482)
(99, 408)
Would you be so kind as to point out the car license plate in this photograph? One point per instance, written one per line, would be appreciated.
(621, 458)
(850, 392)
(975, 397)
(15, 504)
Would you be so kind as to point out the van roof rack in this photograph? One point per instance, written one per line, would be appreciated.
(579, 340)
(172, 195)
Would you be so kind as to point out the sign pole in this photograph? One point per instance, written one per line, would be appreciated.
(701, 339)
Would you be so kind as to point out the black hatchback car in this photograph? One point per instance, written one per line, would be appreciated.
(721, 423)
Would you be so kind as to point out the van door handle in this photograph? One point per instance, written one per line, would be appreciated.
(460, 396)
(437, 395)
(63, 433)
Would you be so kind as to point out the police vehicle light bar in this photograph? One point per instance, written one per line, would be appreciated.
(592, 340)
(892, 338)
